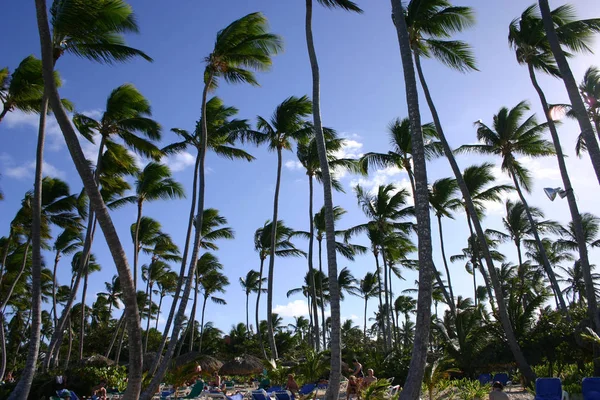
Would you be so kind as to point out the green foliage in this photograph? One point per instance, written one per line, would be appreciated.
(312, 367)
(82, 379)
(470, 389)
(177, 376)
(377, 390)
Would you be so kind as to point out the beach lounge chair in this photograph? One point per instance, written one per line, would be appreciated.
(237, 396)
(307, 388)
(484, 379)
(273, 389)
(260, 395)
(393, 390)
(548, 389)
(322, 386)
(284, 395)
(196, 391)
(590, 388)
(264, 384)
(501, 377)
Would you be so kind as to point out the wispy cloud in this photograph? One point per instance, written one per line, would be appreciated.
(180, 161)
(19, 119)
(294, 308)
(293, 165)
(27, 169)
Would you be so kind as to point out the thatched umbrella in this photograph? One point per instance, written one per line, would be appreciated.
(97, 360)
(209, 364)
(246, 365)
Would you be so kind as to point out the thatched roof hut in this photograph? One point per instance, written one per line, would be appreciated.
(246, 365)
(97, 360)
(209, 364)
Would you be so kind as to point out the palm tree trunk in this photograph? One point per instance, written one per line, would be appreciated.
(503, 314)
(2, 347)
(379, 293)
(136, 243)
(321, 297)
(418, 360)
(573, 208)
(110, 234)
(258, 333)
(5, 255)
(121, 340)
(247, 316)
(16, 280)
(541, 248)
(310, 264)
(149, 316)
(167, 330)
(576, 102)
(387, 305)
(54, 284)
(159, 308)
(334, 292)
(271, 270)
(452, 307)
(116, 334)
(365, 320)
(24, 386)
(179, 318)
(82, 328)
(478, 265)
(5, 111)
(192, 322)
(68, 358)
(201, 325)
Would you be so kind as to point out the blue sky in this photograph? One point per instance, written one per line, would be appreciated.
(362, 91)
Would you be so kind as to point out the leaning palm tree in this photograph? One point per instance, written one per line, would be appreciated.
(336, 350)
(366, 289)
(286, 125)
(222, 133)
(401, 154)
(528, 37)
(251, 284)
(553, 27)
(23, 90)
(154, 182)
(509, 137)
(92, 30)
(242, 47)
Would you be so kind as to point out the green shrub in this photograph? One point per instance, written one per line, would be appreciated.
(81, 380)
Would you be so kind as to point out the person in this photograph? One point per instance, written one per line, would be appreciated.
(497, 393)
(370, 378)
(9, 377)
(292, 385)
(352, 387)
(198, 371)
(357, 372)
(99, 391)
(217, 382)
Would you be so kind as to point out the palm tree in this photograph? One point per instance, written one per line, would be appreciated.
(511, 136)
(336, 350)
(167, 285)
(591, 231)
(93, 31)
(283, 246)
(401, 154)
(285, 126)
(212, 282)
(576, 283)
(112, 293)
(154, 182)
(222, 133)
(90, 267)
(555, 40)
(68, 241)
(242, 47)
(24, 89)
(151, 274)
(590, 91)
(426, 268)
(366, 289)
(443, 202)
(250, 285)
(530, 42)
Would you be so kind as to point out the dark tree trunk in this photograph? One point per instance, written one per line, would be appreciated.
(258, 332)
(271, 271)
(192, 322)
(416, 371)
(453, 306)
(136, 243)
(334, 292)
(201, 325)
(149, 316)
(311, 270)
(115, 335)
(82, 319)
(321, 297)
(379, 293)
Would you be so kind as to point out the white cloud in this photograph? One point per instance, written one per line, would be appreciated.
(27, 170)
(384, 176)
(54, 136)
(350, 149)
(180, 161)
(293, 165)
(294, 308)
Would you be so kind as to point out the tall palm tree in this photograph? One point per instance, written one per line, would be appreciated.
(222, 133)
(112, 293)
(91, 266)
(366, 289)
(250, 285)
(242, 47)
(442, 197)
(286, 125)
(67, 242)
(509, 137)
(336, 350)
(154, 182)
(576, 283)
(24, 88)
(528, 38)
(401, 154)
(591, 233)
(552, 27)
(93, 31)
(426, 270)
(167, 285)
(283, 246)
(212, 282)
(151, 273)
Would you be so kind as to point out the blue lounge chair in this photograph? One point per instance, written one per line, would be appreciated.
(260, 395)
(502, 378)
(485, 379)
(237, 396)
(548, 389)
(307, 388)
(284, 395)
(274, 389)
(322, 386)
(590, 388)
